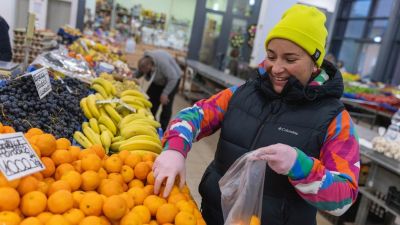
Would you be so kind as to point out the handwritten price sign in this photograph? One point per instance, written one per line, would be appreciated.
(42, 82)
(17, 158)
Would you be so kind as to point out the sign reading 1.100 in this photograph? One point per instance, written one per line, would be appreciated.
(17, 157)
(42, 82)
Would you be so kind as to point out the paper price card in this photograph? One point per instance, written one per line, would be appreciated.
(17, 157)
(42, 82)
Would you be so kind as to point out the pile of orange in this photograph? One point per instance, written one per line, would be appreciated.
(87, 187)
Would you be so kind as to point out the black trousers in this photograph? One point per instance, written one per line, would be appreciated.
(154, 92)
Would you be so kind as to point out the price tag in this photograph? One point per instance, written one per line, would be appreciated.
(17, 157)
(108, 101)
(42, 82)
(128, 107)
(83, 43)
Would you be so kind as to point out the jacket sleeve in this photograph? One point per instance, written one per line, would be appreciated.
(200, 120)
(330, 183)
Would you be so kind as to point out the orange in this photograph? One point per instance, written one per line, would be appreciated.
(184, 206)
(138, 195)
(28, 184)
(43, 187)
(136, 183)
(185, 189)
(185, 218)
(166, 213)
(175, 198)
(61, 156)
(90, 180)
(44, 217)
(33, 203)
(153, 222)
(63, 168)
(49, 180)
(149, 157)
(57, 186)
(77, 196)
(85, 152)
(114, 207)
(153, 202)
(73, 178)
(74, 216)
(150, 178)
(109, 187)
(63, 143)
(201, 222)
(104, 221)
(9, 218)
(141, 170)
(57, 220)
(90, 220)
(91, 162)
(91, 204)
(99, 150)
(77, 165)
(38, 176)
(117, 177)
(8, 129)
(35, 131)
(143, 212)
(149, 189)
(175, 190)
(149, 163)
(123, 154)
(102, 173)
(113, 164)
(255, 220)
(46, 143)
(127, 173)
(125, 187)
(33, 139)
(131, 219)
(75, 151)
(37, 150)
(5, 183)
(128, 199)
(60, 202)
(31, 221)
(9, 199)
(132, 159)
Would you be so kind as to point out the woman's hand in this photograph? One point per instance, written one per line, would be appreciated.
(280, 157)
(168, 165)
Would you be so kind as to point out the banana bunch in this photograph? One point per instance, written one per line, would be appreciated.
(113, 125)
(120, 86)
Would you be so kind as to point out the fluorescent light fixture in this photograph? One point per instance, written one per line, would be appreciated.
(377, 39)
(252, 2)
(216, 6)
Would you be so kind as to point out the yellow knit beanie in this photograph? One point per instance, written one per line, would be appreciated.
(305, 26)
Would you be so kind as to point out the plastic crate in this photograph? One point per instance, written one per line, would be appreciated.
(393, 198)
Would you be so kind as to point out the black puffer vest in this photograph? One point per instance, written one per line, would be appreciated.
(258, 117)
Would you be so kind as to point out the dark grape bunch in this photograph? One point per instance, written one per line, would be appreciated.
(58, 113)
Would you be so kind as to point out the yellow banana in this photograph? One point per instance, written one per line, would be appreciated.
(137, 130)
(141, 145)
(82, 140)
(144, 101)
(107, 85)
(85, 108)
(143, 152)
(102, 127)
(107, 121)
(100, 90)
(91, 135)
(112, 113)
(102, 111)
(132, 101)
(91, 102)
(144, 137)
(94, 125)
(141, 122)
(105, 140)
(130, 118)
(115, 146)
(85, 124)
(134, 93)
(117, 138)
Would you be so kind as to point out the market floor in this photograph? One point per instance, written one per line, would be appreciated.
(201, 155)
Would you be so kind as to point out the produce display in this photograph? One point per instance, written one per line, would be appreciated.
(58, 112)
(87, 187)
(387, 147)
(123, 123)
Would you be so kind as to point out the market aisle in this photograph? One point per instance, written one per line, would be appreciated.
(201, 155)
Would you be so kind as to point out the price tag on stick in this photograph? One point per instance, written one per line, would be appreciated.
(42, 82)
(17, 157)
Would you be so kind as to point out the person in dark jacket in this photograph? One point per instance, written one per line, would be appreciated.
(290, 116)
(5, 45)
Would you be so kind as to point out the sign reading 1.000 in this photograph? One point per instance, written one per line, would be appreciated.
(17, 158)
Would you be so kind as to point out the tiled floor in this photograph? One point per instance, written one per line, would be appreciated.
(201, 155)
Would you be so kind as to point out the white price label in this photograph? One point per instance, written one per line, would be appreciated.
(108, 101)
(17, 157)
(130, 108)
(42, 82)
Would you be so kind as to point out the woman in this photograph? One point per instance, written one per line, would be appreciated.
(291, 116)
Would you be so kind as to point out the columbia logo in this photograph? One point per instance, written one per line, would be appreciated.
(288, 131)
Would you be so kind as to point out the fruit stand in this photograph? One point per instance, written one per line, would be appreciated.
(97, 141)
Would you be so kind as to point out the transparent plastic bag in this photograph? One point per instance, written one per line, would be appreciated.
(242, 191)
